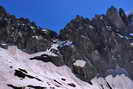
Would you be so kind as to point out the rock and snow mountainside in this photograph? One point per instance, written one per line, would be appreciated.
(19, 72)
(86, 54)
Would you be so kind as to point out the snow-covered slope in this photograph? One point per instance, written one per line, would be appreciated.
(18, 72)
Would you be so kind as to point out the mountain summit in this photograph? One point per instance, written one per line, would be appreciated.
(86, 54)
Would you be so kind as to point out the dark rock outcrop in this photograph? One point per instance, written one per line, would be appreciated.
(22, 74)
(15, 87)
(24, 33)
(103, 42)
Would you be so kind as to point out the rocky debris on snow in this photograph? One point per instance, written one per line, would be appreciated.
(34, 74)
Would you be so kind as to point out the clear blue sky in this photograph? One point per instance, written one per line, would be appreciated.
(55, 14)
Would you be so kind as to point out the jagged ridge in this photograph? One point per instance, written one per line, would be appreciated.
(98, 47)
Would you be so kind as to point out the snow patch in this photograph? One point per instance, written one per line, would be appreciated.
(50, 53)
(131, 44)
(54, 46)
(37, 37)
(108, 28)
(53, 50)
(79, 63)
(32, 27)
(131, 34)
(91, 27)
(65, 43)
(12, 50)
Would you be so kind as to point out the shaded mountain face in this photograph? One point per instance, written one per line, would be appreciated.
(24, 33)
(98, 47)
(104, 43)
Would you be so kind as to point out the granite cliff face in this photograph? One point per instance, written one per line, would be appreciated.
(98, 47)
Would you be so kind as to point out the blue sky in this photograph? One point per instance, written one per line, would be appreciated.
(55, 14)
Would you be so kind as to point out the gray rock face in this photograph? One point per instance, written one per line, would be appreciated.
(24, 33)
(105, 43)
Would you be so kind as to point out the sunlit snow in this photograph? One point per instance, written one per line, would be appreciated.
(48, 75)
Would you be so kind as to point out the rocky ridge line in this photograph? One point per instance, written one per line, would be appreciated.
(103, 45)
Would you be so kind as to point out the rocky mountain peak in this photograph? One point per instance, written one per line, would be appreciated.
(23, 33)
(91, 48)
(99, 42)
(2, 11)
